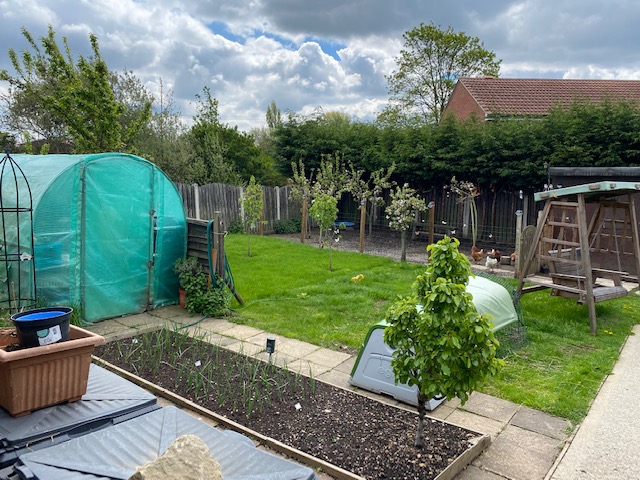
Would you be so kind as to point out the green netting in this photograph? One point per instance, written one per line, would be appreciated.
(107, 230)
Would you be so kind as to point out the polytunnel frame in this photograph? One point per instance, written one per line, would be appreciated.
(8, 256)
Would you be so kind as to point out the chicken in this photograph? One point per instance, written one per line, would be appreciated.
(476, 254)
(492, 261)
(513, 258)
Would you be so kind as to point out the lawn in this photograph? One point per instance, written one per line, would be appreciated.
(289, 290)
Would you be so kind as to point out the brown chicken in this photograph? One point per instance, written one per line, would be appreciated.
(476, 254)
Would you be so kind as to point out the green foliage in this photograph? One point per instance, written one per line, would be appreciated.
(252, 202)
(72, 101)
(401, 213)
(236, 227)
(284, 227)
(430, 63)
(324, 210)
(202, 297)
(445, 347)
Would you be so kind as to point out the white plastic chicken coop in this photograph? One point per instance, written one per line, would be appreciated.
(372, 370)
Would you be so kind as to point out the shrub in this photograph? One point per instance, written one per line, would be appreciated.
(202, 297)
(236, 227)
(285, 227)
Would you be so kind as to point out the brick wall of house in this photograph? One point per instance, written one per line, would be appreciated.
(462, 105)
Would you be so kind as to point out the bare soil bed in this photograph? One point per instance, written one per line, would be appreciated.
(356, 433)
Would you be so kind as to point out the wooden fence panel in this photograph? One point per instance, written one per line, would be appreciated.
(496, 211)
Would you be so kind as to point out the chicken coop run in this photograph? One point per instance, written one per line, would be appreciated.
(107, 229)
(372, 370)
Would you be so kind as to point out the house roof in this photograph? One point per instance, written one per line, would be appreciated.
(519, 96)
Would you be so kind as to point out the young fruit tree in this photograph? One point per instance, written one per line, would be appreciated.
(442, 344)
(251, 203)
(324, 210)
(401, 213)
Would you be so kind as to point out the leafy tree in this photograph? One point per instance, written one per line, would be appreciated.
(430, 63)
(324, 210)
(368, 191)
(331, 177)
(301, 191)
(251, 202)
(206, 149)
(401, 213)
(445, 347)
(274, 117)
(72, 100)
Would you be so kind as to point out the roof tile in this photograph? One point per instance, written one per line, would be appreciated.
(519, 96)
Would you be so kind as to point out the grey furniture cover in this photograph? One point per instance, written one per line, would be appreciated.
(115, 452)
(109, 399)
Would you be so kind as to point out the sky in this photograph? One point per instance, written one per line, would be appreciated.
(329, 54)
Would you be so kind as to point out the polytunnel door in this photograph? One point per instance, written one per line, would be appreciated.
(118, 239)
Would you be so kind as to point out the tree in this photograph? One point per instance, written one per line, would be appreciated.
(251, 203)
(74, 100)
(163, 140)
(401, 213)
(429, 65)
(324, 210)
(205, 145)
(301, 191)
(274, 118)
(368, 191)
(445, 347)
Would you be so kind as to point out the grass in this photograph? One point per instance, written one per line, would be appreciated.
(289, 290)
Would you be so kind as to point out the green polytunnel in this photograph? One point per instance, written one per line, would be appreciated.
(107, 230)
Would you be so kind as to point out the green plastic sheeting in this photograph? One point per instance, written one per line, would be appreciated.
(107, 231)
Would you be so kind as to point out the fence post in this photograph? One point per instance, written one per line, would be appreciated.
(242, 205)
(196, 200)
(277, 189)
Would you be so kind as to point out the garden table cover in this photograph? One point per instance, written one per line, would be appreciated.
(115, 452)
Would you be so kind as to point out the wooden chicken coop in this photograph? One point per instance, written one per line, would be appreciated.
(590, 258)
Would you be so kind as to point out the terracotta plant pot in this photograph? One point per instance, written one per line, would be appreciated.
(183, 298)
(37, 377)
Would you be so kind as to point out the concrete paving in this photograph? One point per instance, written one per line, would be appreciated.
(525, 443)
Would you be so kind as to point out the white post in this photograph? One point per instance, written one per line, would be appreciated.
(196, 199)
(277, 203)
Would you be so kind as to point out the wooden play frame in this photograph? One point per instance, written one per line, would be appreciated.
(564, 242)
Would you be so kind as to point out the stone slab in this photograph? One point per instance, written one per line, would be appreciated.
(519, 454)
(347, 365)
(241, 332)
(541, 422)
(490, 407)
(474, 473)
(326, 357)
(477, 423)
(334, 377)
(307, 368)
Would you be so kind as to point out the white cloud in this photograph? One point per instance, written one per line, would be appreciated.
(334, 54)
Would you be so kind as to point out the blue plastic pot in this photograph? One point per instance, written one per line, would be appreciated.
(42, 326)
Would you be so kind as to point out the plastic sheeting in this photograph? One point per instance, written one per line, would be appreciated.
(116, 452)
(107, 230)
(109, 399)
(493, 299)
